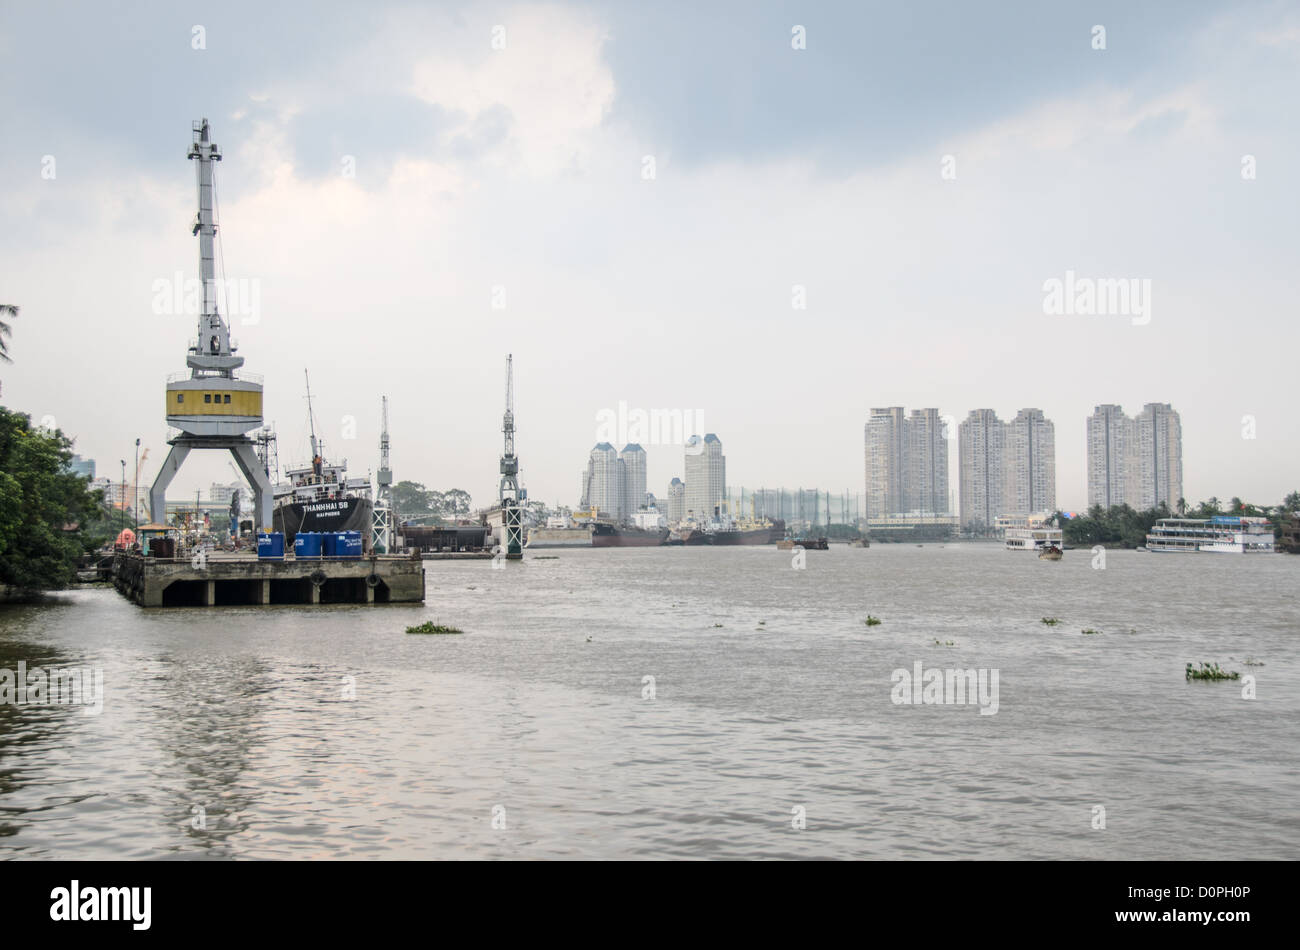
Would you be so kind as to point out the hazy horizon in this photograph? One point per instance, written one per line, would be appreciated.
(914, 176)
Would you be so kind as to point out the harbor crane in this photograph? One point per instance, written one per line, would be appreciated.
(511, 494)
(383, 518)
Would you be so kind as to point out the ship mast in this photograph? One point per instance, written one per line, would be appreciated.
(316, 461)
(212, 354)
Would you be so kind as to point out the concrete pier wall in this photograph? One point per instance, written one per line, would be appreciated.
(243, 580)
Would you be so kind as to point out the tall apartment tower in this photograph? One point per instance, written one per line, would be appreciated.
(706, 476)
(884, 450)
(906, 462)
(925, 467)
(1112, 445)
(676, 501)
(634, 465)
(1135, 461)
(1030, 451)
(982, 467)
(1159, 468)
(603, 485)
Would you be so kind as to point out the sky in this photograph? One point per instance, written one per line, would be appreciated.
(767, 217)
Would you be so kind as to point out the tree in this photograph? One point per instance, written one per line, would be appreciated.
(411, 499)
(44, 507)
(7, 312)
(456, 503)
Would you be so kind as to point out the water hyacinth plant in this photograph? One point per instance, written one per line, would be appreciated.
(1210, 671)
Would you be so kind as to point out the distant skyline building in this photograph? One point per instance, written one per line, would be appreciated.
(1005, 468)
(1160, 456)
(906, 461)
(603, 484)
(981, 468)
(1030, 447)
(1112, 447)
(706, 476)
(633, 458)
(1135, 461)
(676, 501)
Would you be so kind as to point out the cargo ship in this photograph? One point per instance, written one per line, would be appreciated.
(723, 532)
(320, 497)
(606, 535)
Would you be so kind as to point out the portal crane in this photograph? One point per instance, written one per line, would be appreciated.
(511, 495)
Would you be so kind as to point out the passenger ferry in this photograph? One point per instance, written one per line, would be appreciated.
(1222, 534)
(1034, 539)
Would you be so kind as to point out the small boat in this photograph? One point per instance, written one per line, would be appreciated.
(1050, 553)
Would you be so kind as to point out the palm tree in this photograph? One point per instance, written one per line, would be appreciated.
(7, 312)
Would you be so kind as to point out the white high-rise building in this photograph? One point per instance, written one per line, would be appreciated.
(633, 458)
(982, 468)
(906, 462)
(603, 485)
(1030, 447)
(676, 501)
(884, 442)
(1112, 445)
(1159, 456)
(706, 477)
(1135, 461)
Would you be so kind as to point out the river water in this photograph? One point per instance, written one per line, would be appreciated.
(769, 728)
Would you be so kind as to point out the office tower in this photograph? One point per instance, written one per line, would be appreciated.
(676, 501)
(982, 468)
(633, 458)
(1030, 452)
(603, 486)
(706, 476)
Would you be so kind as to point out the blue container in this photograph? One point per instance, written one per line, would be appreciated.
(270, 546)
(307, 544)
(329, 544)
(348, 544)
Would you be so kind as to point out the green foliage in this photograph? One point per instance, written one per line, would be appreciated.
(7, 311)
(1210, 671)
(44, 507)
(1119, 526)
(414, 502)
(1090, 632)
(872, 621)
(430, 627)
(1051, 621)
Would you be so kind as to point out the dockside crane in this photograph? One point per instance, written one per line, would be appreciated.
(384, 520)
(511, 494)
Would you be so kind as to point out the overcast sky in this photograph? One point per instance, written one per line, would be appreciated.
(519, 175)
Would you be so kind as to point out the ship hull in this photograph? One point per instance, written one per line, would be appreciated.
(340, 514)
(559, 538)
(607, 536)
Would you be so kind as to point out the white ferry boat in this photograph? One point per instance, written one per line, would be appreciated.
(1222, 534)
(1034, 539)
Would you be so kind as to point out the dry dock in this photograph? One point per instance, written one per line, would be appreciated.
(242, 579)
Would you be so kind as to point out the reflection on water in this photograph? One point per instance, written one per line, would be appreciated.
(329, 732)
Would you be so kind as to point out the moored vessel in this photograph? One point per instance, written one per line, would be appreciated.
(1222, 534)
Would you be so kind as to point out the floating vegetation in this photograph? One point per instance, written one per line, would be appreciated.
(1051, 621)
(762, 622)
(717, 625)
(1210, 671)
(546, 557)
(1251, 661)
(872, 621)
(944, 643)
(430, 627)
(1090, 632)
